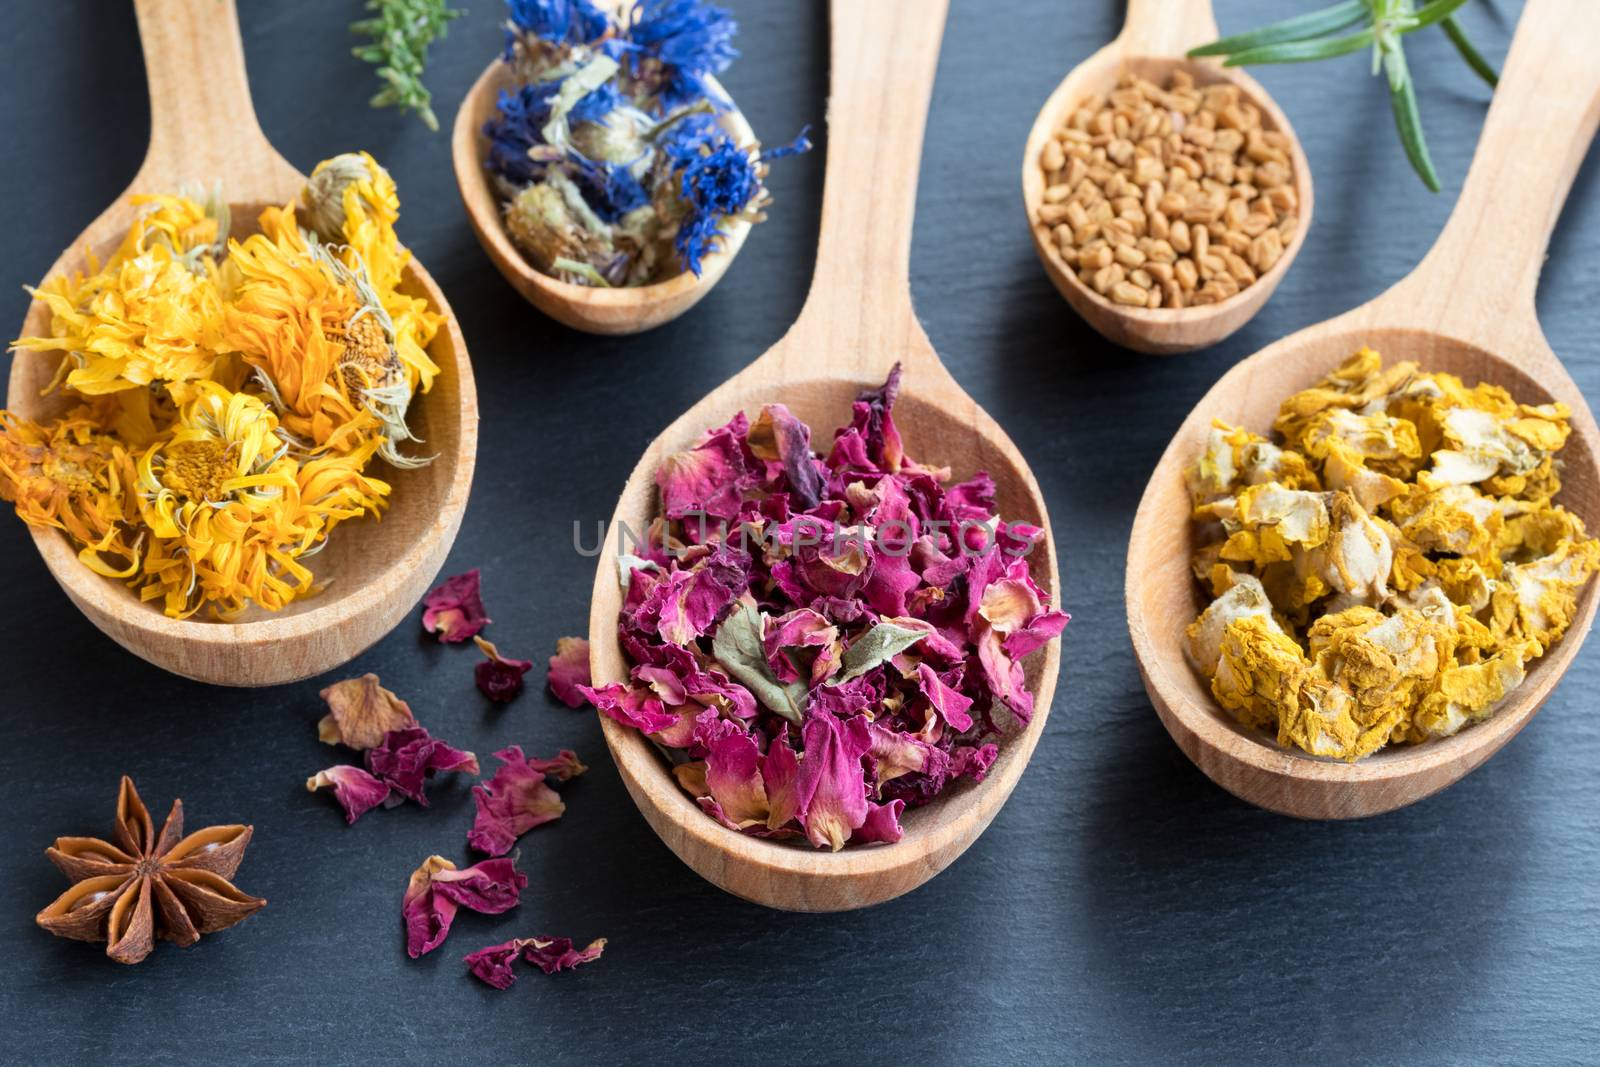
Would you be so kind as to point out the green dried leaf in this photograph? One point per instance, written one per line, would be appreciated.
(1403, 96)
(737, 647)
(878, 644)
(401, 32)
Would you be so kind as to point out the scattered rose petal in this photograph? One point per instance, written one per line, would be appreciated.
(454, 611)
(407, 758)
(550, 954)
(356, 791)
(437, 890)
(569, 669)
(499, 678)
(517, 798)
(360, 712)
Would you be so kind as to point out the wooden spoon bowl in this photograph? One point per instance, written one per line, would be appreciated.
(1153, 42)
(857, 322)
(203, 126)
(1468, 309)
(582, 307)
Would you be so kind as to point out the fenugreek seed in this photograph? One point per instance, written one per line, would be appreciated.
(1077, 216)
(1161, 251)
(1153, 193)
(1057, 193)
(1283, 198)
(1186, 274)
(1129, 294)
(1050, 214)
(1265, 251)
(1238, 268)
(1172, 294)
(1179, 237)
(1051, 157)
(1069, 133)
(1202, 241)
(1158, 270)
(1141, 278)
(1214, 264)
(1254, 223)
(1173, 204)
(1159, 227)
(1146, 170)
(1129, 256)
(1236, 242)
(1100, 211)
(1082, 235)
(1097, 256)
(1064, 236)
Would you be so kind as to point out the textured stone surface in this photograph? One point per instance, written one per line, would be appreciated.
(1121, 908)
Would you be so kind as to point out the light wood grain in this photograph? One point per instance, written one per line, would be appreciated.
(204, 130)
(633, 309)
(856, 323)
(1154, 39)
(1467, 309)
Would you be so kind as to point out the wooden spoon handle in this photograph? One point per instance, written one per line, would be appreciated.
(203, 128)
(1166, 27)
(1478, 281)
(883, 57)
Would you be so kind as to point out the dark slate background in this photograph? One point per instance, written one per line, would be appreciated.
(1121, 908)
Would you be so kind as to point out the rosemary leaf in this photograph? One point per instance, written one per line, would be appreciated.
(1299, 28)
(1304, 51)
(1434, 11)
(1480, 66)
(401, 31)
(1407, 120)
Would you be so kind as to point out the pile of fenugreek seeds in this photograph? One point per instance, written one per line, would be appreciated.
(1168, 197)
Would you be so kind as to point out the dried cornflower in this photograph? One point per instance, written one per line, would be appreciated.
(612, 168)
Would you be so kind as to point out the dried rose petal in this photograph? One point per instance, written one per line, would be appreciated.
(708, 479)
(733, 778)
(360, 712)
(834, 646)
(356, 791)
(454, 611)
(499, 678)
(407, 758)
(550, 954)
(493, 964)
(630, 706)
(569, 668)
(437, 890)
(831, 783)
(517, 799)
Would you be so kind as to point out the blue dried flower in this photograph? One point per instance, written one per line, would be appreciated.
(801, 144)
(517, 128)
(596, 104)
(717, 179)
(560, 21)
(690, 38)
(609, 188)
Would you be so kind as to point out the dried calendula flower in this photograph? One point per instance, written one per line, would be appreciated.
(228, 398)
(145, 884)
(1390, 571)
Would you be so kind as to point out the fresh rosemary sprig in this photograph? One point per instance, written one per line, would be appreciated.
(1320, 35)
(401, 31)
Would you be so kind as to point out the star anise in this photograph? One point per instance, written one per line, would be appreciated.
(148, 885)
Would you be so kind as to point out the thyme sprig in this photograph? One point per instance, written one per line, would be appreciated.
(401, 31)
(1375, 24)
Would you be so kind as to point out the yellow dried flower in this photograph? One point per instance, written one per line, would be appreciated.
(1406, 524)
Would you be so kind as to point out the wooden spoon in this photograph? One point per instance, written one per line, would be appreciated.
(1155, 37)
(1467, 309)
(856, 323)
(203, 129)
(583, 307)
